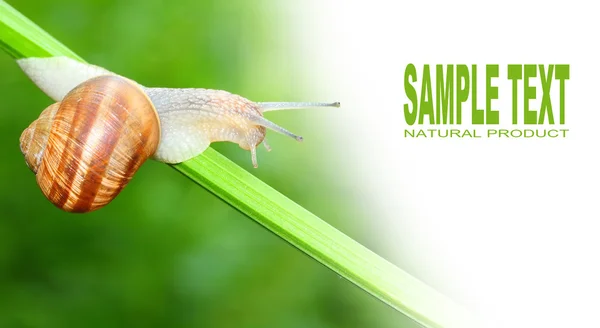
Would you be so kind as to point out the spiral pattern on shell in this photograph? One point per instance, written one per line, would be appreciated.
(85, 149)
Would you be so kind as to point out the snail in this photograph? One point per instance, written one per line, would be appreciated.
(87, 146)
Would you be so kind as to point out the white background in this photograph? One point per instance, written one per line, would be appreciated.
(509, 228)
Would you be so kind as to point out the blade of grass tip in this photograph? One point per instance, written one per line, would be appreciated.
(20, 37)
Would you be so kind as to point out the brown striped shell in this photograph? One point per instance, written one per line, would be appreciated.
(85, 149)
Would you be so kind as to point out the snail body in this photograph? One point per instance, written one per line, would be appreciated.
(86, 147)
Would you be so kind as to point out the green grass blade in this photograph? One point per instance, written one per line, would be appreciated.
(323, 242)
(20, 37)
(23, 38)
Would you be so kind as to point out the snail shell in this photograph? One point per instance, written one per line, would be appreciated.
(85, 149)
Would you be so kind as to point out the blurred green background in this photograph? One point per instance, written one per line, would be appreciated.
(166, 253)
